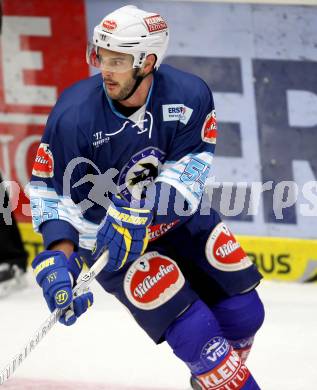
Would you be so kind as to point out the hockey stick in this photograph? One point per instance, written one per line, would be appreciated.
(84, 281)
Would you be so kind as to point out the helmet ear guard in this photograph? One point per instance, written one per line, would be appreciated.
(132, 31)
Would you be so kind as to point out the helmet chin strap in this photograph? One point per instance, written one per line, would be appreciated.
(138, 80)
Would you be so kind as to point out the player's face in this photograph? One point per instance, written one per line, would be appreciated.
(117, 72)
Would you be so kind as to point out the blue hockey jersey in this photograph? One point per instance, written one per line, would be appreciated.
(89, 150)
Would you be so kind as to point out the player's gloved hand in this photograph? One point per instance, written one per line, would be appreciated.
(57, 275)
(124, 232)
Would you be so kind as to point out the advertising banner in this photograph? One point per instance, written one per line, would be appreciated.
(41, 53)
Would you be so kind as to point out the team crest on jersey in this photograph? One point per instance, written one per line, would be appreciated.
(209, 129)
(140, 171)
(176, 112)
(224, 252)
(152, 280)
(44, 162)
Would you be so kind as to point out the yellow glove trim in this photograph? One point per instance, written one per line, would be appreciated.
(136, 210)
(145, 241)
(126, 217)
(79, 263)
(127, 240)
(44, 264)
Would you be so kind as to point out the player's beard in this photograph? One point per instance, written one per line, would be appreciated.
(125, 88)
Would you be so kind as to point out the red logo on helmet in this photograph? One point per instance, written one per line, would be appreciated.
(109, 25)
(224, 252)
(209, 130)
(155, 23)
(152, 280)
(44, 162)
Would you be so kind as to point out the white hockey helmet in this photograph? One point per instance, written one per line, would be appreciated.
(132, 31)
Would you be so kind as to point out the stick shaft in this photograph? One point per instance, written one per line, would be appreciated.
(42, 331)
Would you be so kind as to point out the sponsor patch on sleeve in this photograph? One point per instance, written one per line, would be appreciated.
(209, 129)
(176, 112)
(44, 162)
(224, 252)
(152, 280)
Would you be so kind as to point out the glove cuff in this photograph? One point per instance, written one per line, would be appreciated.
(128, 217)
(45, 260)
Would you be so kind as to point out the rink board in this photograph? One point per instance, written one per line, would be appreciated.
(284, 259)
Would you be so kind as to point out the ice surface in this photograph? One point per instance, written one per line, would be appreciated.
(105, 349)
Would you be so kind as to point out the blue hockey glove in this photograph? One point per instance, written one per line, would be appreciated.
(57, 275)
(124, 232)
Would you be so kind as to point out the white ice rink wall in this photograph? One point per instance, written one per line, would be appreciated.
(260, 61)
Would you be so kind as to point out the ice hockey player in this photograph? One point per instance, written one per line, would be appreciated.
(145, 132)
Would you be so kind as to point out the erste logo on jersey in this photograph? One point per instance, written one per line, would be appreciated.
(152, 280)
(209, 129)
(224, 252)
(44, 163)
(140, 171)
(155, 24)
(176, 112)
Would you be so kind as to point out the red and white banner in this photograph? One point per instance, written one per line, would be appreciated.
(42, 51)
